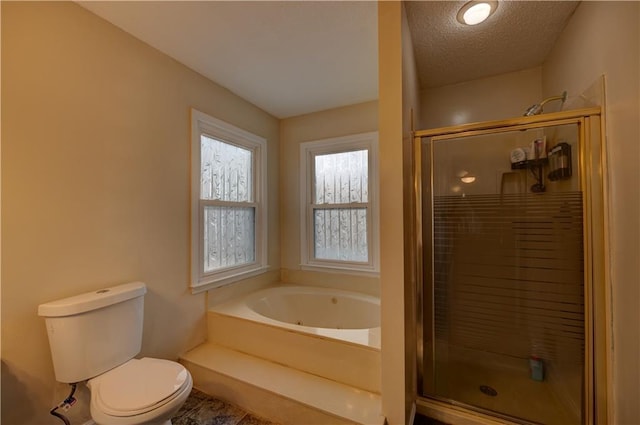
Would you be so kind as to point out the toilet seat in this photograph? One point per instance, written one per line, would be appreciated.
(138, 386)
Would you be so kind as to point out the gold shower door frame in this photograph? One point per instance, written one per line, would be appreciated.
(597, 320)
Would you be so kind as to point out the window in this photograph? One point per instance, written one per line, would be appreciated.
(339, 214)
(228, 208)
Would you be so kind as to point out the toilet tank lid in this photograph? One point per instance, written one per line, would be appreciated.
(92, 300)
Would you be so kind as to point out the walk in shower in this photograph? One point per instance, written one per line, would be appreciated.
(511, 294)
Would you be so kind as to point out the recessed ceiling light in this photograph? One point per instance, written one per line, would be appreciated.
(476, 12)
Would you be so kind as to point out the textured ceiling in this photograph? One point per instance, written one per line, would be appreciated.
(519, 35)
(286, 57)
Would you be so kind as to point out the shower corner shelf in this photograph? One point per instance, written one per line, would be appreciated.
(530, 163)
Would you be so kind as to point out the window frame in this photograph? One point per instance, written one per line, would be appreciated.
(308, 151)
(204, 124)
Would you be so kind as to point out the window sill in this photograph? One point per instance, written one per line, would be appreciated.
(341, 270)
(213, 282)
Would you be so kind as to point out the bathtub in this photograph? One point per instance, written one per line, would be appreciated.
(294, 351)
(324, 312)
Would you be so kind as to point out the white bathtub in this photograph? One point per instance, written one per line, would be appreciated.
(343, 315)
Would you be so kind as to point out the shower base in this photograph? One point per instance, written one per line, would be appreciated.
(508, 388)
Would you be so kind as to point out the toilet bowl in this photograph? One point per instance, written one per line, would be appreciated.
(140, 391)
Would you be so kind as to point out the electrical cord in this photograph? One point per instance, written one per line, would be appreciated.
(62, 417)
(65, 405)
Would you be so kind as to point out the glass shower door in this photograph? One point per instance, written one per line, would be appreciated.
(504, 294)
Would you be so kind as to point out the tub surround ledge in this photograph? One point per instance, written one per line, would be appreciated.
(278, 392)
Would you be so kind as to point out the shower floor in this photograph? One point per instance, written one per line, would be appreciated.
(462, 372)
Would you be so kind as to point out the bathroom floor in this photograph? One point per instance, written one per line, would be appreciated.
(202, 409)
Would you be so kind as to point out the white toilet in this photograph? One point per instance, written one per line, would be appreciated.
(94, 337)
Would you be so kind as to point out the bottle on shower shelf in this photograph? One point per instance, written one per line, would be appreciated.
(536, 368)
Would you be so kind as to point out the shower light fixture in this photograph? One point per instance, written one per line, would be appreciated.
(476, 11)
(466, 177)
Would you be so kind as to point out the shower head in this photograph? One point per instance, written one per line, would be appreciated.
(537, 108)
(533, 110)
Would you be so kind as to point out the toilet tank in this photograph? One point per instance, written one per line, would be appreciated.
(94, 332)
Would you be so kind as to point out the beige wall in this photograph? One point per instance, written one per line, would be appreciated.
(603, 38)
(392, 274)
(354, 119)
(494, 98)
(95, 185)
